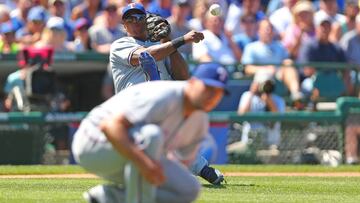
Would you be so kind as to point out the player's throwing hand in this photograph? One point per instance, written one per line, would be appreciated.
(193, 36)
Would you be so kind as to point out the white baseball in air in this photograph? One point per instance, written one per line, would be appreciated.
(215, 9)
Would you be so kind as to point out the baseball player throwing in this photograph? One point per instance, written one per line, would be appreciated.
(140, 141)
(150, 34)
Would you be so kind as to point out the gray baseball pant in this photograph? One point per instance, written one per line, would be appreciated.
(95, 154)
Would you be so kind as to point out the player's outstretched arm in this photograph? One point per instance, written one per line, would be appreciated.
(160, 51)
(116, 130)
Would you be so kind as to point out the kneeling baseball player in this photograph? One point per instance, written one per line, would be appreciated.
(141, 142)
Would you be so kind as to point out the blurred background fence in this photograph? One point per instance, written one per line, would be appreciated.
(303, 134)
(301, 138)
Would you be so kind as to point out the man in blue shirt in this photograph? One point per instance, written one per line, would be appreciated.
(249, 26)
(267, 55)
(322, 50)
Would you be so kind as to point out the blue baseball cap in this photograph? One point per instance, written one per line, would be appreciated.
(212, 74)
(37, 13)
(7, 28)
(133, 7)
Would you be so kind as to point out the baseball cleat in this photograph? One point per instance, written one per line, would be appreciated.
(212, 175)
(89, 198)
(219, 179)
(104, 194)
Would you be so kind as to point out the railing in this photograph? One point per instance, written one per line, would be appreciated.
(74, 64)
(41, 117)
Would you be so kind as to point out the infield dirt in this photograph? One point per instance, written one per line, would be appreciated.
(260, 174)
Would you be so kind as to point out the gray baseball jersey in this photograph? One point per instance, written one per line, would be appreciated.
(124, 73)
(141, 106)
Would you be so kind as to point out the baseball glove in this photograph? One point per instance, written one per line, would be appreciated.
(157, 27)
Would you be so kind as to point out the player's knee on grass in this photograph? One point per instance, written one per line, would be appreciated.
(176, 194)
(180, 185)
(191, 192)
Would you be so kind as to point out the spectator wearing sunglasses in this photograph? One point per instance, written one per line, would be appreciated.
(249, 25)
(103, 35)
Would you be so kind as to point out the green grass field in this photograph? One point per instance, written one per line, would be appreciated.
(237, 189)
